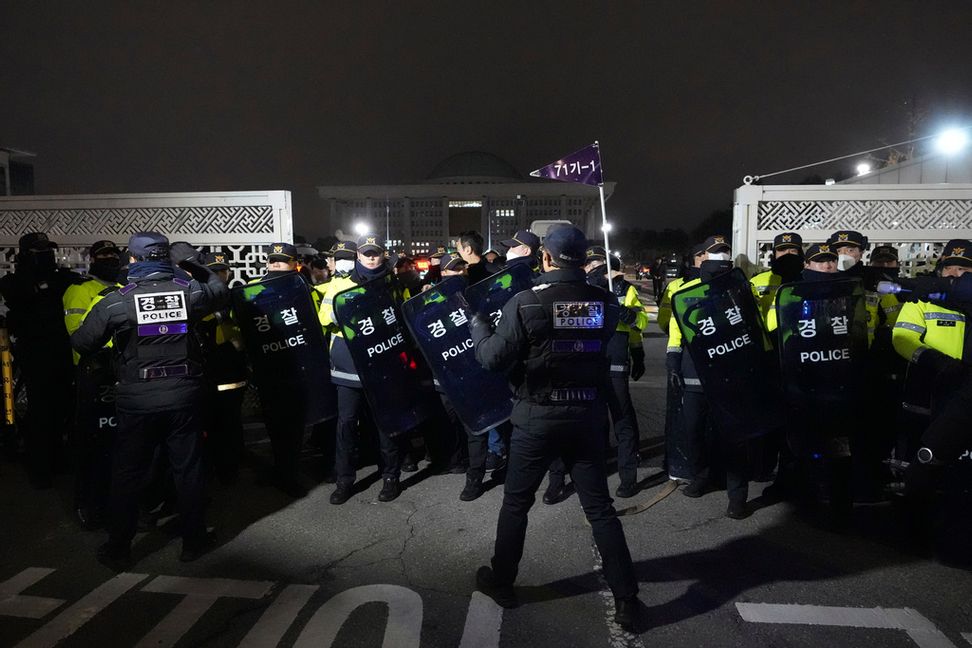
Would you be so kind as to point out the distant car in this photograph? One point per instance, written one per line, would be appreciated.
(643, 271)
(673, 267)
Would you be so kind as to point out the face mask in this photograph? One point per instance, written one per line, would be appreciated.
(343, 265)
(714, 267)
(105, 269)
(788, 266)
(845, 262)
(718, 256)
(512, 253)
(40, 262)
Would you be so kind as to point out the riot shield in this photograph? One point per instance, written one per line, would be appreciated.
(488, 296)
(822, 343)
(437, 321)
(390, 370)
(285, 345)
(722, 329)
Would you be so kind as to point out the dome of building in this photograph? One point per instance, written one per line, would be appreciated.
(473, 167)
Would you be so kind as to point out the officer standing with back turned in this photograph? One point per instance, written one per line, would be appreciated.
(552, 342)
(159, 372)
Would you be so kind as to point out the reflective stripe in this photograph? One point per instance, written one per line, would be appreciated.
(230, 386)
(917, 328)
(345, 376)
(327, 300)
(918, 352)
(677, 349)
(619, 368)
(954, 317)
(917, 409)
(75, 311)
(892, 309)
(692, 381)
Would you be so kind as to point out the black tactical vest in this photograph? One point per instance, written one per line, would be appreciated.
(569, 333)
(158, 342)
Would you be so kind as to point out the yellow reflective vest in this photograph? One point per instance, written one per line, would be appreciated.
(665, 307)
(78, 300)
(765, 285)
(632, 301)
(675, 333)
(922, 325)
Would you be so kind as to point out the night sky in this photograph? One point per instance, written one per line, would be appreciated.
(685, 97)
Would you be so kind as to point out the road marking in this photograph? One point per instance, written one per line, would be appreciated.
(68, 621)
(275, 621)
(484, 621)
(922, 631)
(967, 636)
(618, 637)
(13, 603)
(404, 627)
(200, 595)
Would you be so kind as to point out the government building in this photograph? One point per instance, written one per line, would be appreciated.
(467, 191)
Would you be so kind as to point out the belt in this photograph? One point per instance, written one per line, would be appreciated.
(171, 371)
(573, 394)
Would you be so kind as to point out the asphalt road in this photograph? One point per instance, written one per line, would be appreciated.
(401, 574)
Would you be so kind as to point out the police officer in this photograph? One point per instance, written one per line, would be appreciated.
(522, 249)
(33, 294)
(785, 267)
(552, 342)
(705, 442)
(285, 424)
(160, 386)
(95, 416)
(224, 367)
(434, 273)
(369, 265)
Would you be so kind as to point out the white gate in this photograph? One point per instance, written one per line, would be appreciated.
(917, 219)
(239, 223)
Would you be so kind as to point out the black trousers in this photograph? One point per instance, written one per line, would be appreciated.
(50, 393)
(138, 435)
(626, 430)
(285, 423)
(710, 451)
(224, 431)
(351, 405)
(582, 448)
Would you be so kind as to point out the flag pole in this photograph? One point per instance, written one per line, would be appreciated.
(607, 247)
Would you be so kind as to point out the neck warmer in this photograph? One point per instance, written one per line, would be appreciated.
(141, 269)
(365, 275)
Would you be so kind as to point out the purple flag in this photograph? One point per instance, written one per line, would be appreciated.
(583, 166)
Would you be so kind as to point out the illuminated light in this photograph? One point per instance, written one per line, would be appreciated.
(952, 140)
(423, 264)
(617, 254)
(465, 203)
(830, 181)
(361, 229)
(863, 168)
(606, 227)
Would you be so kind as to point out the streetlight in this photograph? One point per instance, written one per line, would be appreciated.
(863, 168)
(952, 141)
(606, 227)
(361, 228)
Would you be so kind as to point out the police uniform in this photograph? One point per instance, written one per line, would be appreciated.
(552, 342)
(765, 284)
(704, 446)
(285, 423)
(226, 378)
(95, 412)
(351, 397)
(33, 294)
(158, 367)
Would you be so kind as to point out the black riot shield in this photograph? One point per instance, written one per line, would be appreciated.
(391, 371)
(437, 321)
(822, 343)
(722, 329)
(488, 296)
(285, 344)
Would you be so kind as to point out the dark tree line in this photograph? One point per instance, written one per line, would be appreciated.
(640, 244)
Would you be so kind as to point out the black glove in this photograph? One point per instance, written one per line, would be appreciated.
(181, 252)
(675, 381)
(628, 315)
(637, 363)
(940, 365)
(479, 327)
(673, 363)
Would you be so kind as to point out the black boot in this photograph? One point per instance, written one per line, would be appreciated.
(473, 489)
(389, 490)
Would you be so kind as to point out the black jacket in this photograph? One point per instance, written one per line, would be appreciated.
(522, 346)
(112, 318)
(36, 317)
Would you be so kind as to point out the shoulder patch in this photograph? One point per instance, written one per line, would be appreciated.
(180, 281)
(540, 287)
(124, 290)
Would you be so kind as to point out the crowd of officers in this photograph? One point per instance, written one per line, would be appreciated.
(159, 366)
(913, 366)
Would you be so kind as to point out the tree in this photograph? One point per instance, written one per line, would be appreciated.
(716, 223)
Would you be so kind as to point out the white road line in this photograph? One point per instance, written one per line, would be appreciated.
(277, 618)
(200, 595)
(404, 628)
(483, 623)
(922, 631)
(12, 603)
(618, 637)
(68, 621)
(967, 636)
